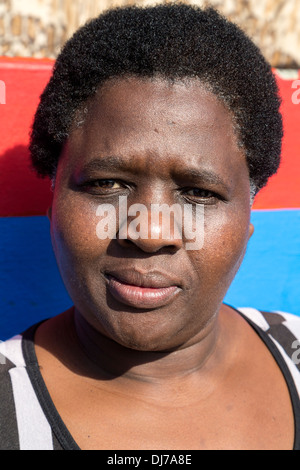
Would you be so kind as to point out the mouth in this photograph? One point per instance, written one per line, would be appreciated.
(147, 291)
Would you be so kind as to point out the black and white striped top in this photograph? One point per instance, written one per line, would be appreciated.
(30, 421)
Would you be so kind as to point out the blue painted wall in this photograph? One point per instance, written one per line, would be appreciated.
(31, 288)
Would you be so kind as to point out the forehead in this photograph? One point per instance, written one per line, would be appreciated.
(136, 100)
(178, 122)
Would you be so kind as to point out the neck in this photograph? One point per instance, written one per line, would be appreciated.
(112, 360)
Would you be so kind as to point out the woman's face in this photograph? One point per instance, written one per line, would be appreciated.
(150, 142)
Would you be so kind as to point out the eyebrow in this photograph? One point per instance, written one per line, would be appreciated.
(115, 162)
(105, 163)
(203, 176)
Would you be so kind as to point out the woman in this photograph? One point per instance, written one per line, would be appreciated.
(170, 106)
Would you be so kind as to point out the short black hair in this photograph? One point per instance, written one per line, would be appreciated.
(172, 41)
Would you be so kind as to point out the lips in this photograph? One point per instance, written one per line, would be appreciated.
(149, 290)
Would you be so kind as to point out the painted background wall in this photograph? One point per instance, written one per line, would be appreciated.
(30, 285)
(31, 35)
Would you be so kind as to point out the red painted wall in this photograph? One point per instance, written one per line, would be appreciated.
(22, 193)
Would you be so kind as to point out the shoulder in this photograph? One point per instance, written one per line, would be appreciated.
(281, 333)
(11, 352)
(11, 361)
(287, 324)
(281, 327)
(24, 425)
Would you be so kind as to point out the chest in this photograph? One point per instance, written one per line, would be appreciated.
(247, 419)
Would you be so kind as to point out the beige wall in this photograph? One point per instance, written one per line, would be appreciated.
(38, 28)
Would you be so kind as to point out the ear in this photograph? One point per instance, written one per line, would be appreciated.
(49, 213)
(251, 230)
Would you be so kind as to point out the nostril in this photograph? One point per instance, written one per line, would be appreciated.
(151, 245)
(126, 242)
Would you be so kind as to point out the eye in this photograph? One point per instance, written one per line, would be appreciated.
(106, 184)
(197, 192)
(102, 186)
(201, 196)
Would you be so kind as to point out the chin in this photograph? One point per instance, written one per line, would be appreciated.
(145, 338)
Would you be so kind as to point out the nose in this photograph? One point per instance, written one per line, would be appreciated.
(151, 228)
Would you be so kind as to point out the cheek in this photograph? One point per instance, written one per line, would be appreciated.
(224, 246)
(74, 235)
